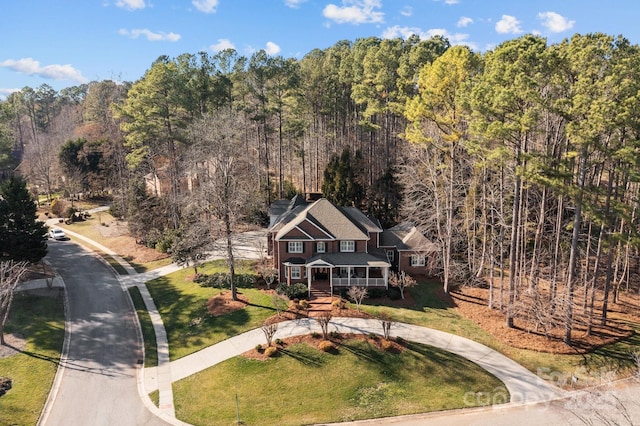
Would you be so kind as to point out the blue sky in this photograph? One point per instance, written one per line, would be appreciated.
(68, 42)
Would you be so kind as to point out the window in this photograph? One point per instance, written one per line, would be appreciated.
(321, 247)
(296, 247)
(417, 260)
(345, 271)
(295, 273)
(390, 255)
(347, 246)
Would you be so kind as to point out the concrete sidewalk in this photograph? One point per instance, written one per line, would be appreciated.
(523, 386)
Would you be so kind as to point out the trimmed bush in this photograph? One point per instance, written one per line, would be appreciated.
(339, 303)
(293, 291)
(315, 334)
(271, 351)
(376, 292)
(394, 293)
(386, 345)
(259, 347)
(326, 346)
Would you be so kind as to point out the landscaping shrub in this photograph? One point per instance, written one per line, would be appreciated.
(271, 351)
(400, 340)
(279, 342)
(326, 346)
(394, 293)
(339, 303)
(376, 292)
(163, 245)
(334, 334)
(315, 334)
(386, 345)
(302, 305)
(259, 347)
(70, 213)
(57, 207)
(293, 291)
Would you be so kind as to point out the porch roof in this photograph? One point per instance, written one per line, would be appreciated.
(348, 259)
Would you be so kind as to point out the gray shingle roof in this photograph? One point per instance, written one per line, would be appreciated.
(326, 216)
(406, 236)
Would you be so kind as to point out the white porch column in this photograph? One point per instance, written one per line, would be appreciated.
(331, 279)
(367, 277)
(386, 278)
(308, 272)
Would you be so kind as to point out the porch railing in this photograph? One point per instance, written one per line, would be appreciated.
(358, 282)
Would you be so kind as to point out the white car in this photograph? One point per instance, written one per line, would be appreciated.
(57, 234)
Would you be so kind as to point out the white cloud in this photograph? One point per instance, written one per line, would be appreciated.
(554, 22)
(508, 25)
(294, 4)
(206, 6)
(451, 1)
(406, 32)
(222, 44)
(406, 11)
(150, 35)
(55, 72)
(131, 4)
(464, 21)
(272, 48)
(6, 92)
(355, 12)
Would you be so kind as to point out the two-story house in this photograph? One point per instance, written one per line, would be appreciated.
(330, 247)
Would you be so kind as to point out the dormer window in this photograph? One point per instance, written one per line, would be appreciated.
(347, 246)
(321, 247)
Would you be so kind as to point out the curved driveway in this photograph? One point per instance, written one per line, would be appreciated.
(97, 381)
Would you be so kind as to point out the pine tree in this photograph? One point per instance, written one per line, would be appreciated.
(22, 237)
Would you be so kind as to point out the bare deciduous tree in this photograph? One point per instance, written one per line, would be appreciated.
(280, 302)
(323, 319)
(269, 331)
(10, 274)
(402, 281)
(386, 322)
(357, 294)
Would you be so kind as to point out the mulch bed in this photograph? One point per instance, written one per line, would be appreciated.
(472, 303)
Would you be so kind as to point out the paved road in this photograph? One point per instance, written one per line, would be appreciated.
(97, 384)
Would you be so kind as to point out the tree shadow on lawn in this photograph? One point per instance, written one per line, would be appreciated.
(310, 359)
(616, 356)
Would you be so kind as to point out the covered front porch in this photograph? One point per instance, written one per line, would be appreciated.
(344, 271)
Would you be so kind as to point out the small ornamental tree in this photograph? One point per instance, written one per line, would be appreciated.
(22, 236)
(269, 331)
(402, 281)
(324, 319)
(357, 294)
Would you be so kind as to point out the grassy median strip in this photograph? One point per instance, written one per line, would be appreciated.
(148, 332)
(40, 320)
(303, 385)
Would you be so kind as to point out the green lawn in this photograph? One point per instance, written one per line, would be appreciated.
(182, 305)
(148, 332)
(41, 321)
(433, 311)
(358, 381)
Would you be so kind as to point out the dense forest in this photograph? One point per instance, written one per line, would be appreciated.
(521, 162)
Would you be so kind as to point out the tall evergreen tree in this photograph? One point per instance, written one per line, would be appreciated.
(22, 237)
(343, 178)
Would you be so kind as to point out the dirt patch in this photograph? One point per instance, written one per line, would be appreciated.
(472, 303)
(112, 228)
(14, 344)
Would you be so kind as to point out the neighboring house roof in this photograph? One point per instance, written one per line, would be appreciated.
(337, 223)
(406, 237)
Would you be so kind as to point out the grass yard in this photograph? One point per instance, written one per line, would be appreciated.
(183, 307)
(40, 320)
(357, 381)
(431, 309)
